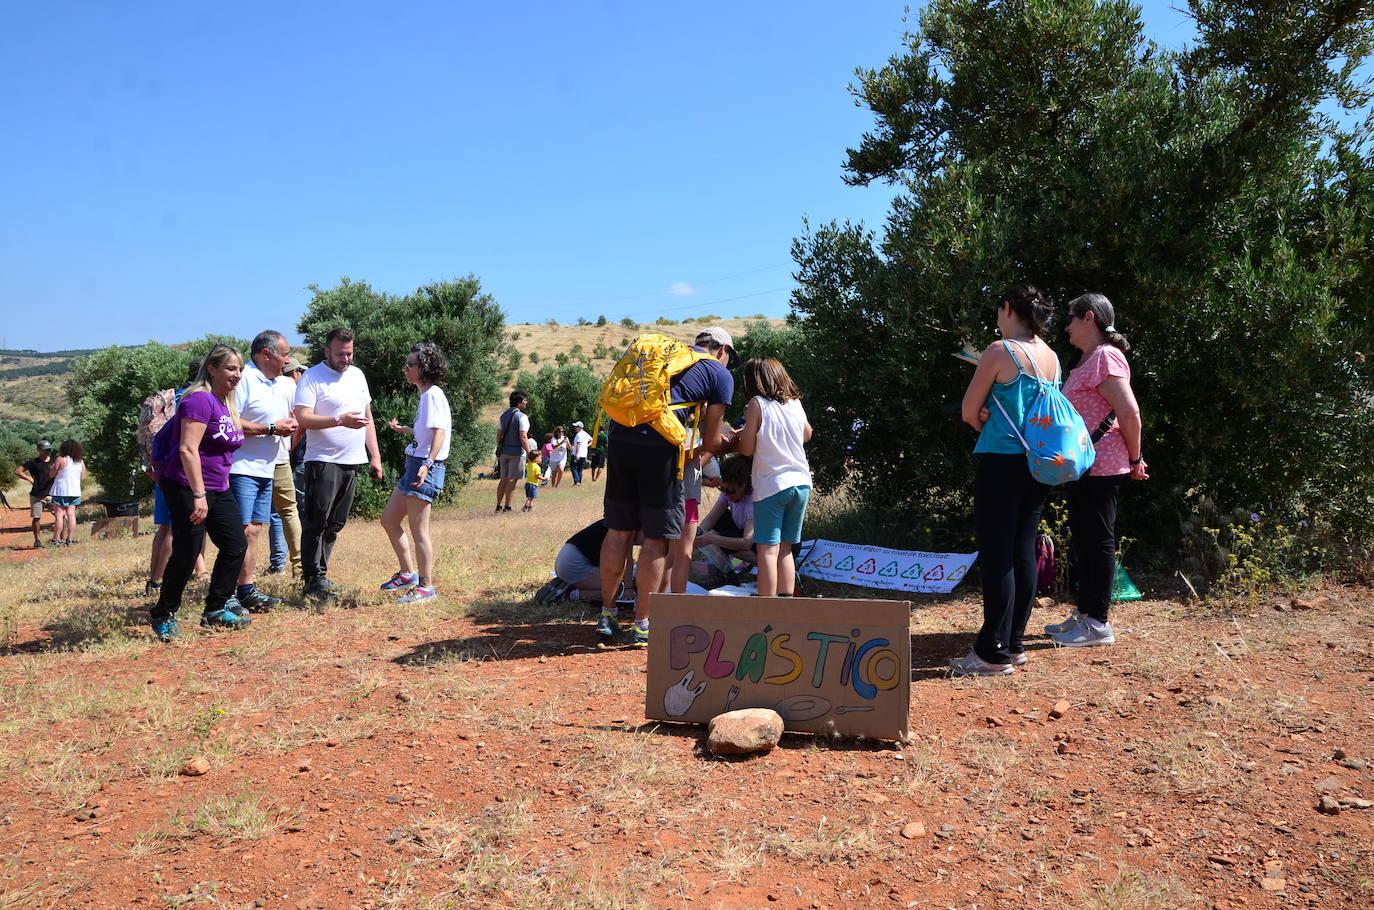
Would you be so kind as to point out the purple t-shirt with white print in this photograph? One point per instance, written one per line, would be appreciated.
(216, 446)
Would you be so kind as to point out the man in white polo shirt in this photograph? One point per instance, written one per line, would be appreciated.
(334, 406)
(267, 428)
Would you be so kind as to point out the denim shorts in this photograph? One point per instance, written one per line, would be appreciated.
(254, 495)
(434, 480)
(531, 491)
(779, 517)
(65, 501)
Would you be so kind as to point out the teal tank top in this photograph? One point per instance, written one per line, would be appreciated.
(998, 437)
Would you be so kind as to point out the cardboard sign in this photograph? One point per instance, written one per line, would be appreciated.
(883, 567)
(827, 666)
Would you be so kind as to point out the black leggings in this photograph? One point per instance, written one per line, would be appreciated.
(224, 524)
(1007, 503)
(1092, 521)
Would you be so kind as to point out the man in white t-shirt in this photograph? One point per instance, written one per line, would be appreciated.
(334, 406)
(267, 428)
(581, 441)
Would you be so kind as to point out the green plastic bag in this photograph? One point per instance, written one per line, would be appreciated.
(1123, 589)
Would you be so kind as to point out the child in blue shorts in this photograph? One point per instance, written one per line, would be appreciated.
(775, 431)
(533, 473)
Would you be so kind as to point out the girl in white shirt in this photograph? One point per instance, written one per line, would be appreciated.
(775, 429)
(425, 368)
(67, 473)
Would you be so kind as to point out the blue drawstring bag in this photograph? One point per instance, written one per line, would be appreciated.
(1058, 447)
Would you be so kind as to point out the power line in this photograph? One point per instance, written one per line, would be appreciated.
(655, 293)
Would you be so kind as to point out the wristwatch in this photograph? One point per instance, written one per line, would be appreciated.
(272, 429)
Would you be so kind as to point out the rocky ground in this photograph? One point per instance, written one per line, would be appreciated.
(484, 752)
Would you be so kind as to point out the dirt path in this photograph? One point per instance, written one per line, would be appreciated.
(482, 752)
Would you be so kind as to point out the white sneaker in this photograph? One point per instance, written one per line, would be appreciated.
(1087, 633)
(1065, 626)
(973, 665)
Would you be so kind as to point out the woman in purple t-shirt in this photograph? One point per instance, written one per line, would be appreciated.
(195, 484)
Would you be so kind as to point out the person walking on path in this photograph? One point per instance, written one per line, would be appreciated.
(423, 480)
(775, 432)
(195, 484)
(512, 442)
(334, 406)
(1007, 500)
(577, 462)
(265, 417)
(643, 484)
(1099, 387)
(37, 472)
(67, 472)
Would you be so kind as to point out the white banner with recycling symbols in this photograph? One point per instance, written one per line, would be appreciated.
(882, 567)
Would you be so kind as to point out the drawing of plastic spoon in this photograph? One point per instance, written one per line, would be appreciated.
(842, 709)
(730, 698)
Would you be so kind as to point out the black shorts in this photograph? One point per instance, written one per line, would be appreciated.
(598, 461)
(643, 489)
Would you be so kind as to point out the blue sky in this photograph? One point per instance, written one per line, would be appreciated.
(178, 169)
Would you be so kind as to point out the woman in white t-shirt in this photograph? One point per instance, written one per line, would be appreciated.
(558, 456)
(425, 368)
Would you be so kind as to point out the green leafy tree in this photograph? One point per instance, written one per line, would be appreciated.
(1205, 192)
(460, 318)
(629, 323)
(559, 395)
(106, 392)
(601, 320)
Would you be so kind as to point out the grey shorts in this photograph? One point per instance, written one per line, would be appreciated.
(573, 566)
(38, 505)
(512, 467)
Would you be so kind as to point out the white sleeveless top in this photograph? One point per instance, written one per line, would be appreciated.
(68, 480)
(779, 460)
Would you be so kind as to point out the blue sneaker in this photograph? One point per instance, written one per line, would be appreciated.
(416, 595)
(224, 619)
(400, 581)
(607, 627)
(165, 628)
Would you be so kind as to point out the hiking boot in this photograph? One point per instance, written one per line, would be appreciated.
(607, 627)
(224, 619)
(416, 595)
(552, 592)
(257, 602)
(233, 606)
(1065, 626)
(401, 581)
(316, 592)
(165, 628)
(973, 665)
(1087, 633)
(324, 582)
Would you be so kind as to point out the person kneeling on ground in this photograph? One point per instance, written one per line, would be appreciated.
(578, 566)
(729, 526)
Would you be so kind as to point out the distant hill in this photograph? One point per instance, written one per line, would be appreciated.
(33, 384)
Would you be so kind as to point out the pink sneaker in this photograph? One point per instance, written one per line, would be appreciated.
(973, 665)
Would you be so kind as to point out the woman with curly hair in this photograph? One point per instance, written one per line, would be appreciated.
(425, 368)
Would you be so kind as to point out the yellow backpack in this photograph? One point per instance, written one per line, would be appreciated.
(638, 391)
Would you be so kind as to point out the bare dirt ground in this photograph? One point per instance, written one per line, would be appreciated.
(483, 752)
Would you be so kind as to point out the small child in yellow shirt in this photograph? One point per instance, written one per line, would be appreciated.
(532, 475)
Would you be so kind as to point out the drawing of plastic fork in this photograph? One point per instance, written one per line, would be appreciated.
(730, 698)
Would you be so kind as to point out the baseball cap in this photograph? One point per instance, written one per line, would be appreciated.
(577, 423)
(721, 337)
(45, 446)
(292, 365)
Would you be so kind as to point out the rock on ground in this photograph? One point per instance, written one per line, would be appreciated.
(744, 731)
